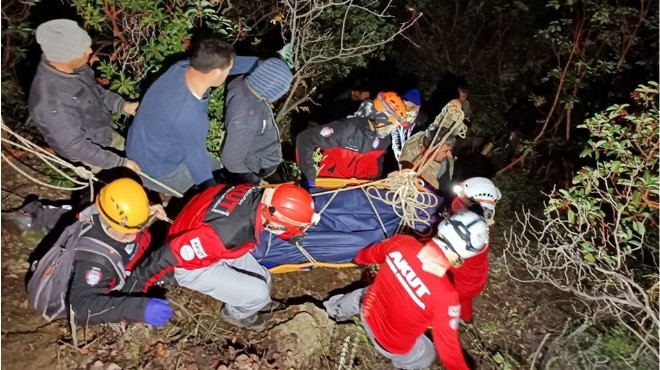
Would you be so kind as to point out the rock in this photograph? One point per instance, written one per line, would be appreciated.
(112, 366)
(98, 365)
(307, 332)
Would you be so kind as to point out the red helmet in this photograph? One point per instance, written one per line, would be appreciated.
(290, 207)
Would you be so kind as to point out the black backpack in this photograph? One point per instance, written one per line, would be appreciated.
(48, 287)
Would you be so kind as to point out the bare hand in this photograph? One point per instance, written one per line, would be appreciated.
(158, 211)
(132, 165)
(131, 108)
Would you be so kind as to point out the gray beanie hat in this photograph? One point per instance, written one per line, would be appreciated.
(62, 40)
(271, 79)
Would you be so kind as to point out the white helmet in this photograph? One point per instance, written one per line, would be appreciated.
(461, 236)
(480, 190)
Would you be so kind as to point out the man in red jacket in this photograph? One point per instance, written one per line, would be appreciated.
(412, 292)
(353, 147)
(479, 195)
(208, 246)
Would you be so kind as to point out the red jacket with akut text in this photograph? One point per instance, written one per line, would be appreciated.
(222, 222)
(405, 299)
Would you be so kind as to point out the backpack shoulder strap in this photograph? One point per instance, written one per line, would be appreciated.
(99, 252)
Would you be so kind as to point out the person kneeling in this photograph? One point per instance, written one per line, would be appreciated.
(412, 292)
(209, 243)
(86, 268)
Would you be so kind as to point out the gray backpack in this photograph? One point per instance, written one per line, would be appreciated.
(48, 287)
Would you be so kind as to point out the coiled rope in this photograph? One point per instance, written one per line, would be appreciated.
(451, 117)
(403, 194)
(53, 160)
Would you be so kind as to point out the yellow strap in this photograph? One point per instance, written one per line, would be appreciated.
(282, 269)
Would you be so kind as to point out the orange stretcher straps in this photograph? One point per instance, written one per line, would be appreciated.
(281, 269)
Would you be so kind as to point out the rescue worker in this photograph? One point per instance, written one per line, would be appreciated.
(479, 195)
(209, 243)
(438, 173)
(352, 147)
(412, 292)
(116, 219)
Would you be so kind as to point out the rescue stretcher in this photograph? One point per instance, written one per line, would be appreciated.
(351, 219)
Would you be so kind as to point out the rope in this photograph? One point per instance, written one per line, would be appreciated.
(47, 158)
(172, 191)
(451, 117)
(404, 196)
(51, 159)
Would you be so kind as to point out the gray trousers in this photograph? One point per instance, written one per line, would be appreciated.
(180, 179)
(241, 283)
(343, 306)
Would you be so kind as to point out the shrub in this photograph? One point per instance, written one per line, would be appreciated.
(598, 239)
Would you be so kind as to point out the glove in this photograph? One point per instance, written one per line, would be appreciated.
(285, 54)
(158, 312)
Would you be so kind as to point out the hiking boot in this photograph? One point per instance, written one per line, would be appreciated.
(254, 322)
(273, 306)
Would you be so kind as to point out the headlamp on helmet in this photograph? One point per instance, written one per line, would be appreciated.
(479, 190)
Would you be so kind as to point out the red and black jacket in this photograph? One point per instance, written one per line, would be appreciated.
(350, 150)
(222, 222)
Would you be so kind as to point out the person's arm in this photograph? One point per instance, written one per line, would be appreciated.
(93, 303)
(111, 100)
(242, 127)
(243, 65)
(379, 161)
(151, 269)
(445, 332)
(323, 137)
(375, 253)
(62, 131)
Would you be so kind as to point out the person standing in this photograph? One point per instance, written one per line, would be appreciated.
(168, 136)
(479, 195)
(70, 109)
(252, 148)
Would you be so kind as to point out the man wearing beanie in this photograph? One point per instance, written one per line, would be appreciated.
(252, 148)
(72, 112)
(168, 136)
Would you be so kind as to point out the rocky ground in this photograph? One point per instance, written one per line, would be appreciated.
(511, 321)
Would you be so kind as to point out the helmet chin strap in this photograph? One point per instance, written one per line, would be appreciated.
(383, 130)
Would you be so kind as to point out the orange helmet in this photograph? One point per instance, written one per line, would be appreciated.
(392, 105)
(290, 207)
